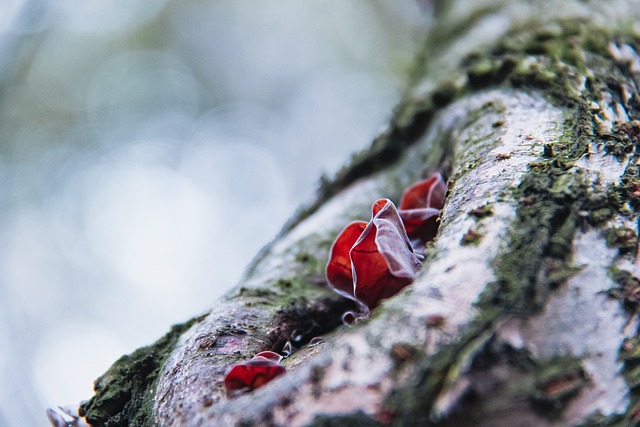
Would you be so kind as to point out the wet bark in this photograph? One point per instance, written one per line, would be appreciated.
(524, 312)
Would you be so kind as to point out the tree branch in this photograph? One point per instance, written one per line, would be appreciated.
(526, 302)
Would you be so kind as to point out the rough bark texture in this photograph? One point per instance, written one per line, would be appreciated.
(524, 312)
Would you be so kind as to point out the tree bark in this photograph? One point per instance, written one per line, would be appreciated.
(525, 310)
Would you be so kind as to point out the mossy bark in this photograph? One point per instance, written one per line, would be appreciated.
(525, 311)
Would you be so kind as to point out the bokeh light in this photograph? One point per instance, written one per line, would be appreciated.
(151, 148)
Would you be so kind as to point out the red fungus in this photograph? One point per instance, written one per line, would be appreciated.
(339, 269)
(258, 371)
(382, 258)
(374, 261)
(420, 206)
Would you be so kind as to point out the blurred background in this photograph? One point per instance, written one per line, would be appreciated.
(149, 148)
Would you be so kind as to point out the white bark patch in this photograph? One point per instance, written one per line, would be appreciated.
(351, 379)
(501, 155)
(604, 165)
(580, 320)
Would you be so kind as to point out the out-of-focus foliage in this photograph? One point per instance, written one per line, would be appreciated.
(149, 148)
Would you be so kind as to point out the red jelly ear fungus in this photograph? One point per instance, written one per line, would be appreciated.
(420, 206)
(339, 269)
(372, 261)
(258, 371)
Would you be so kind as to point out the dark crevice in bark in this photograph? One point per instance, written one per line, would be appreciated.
(300, 322)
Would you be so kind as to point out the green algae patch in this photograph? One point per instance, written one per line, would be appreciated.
(285, 291)
(258, 293)
(124, 394)
(554, 200)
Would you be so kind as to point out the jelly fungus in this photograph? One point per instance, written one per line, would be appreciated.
(420, 206)
(258, 371)
(372, 261)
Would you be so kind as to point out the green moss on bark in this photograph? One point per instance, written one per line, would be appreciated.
(124, 394)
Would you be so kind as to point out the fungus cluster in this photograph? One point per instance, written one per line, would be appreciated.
(368, 262)
(371, 261)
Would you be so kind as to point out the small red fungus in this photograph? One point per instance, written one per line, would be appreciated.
(339, 269)
(372, 261)
(420, 206)
(258, 371)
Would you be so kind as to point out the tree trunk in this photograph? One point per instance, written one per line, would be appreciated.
(524, 312)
